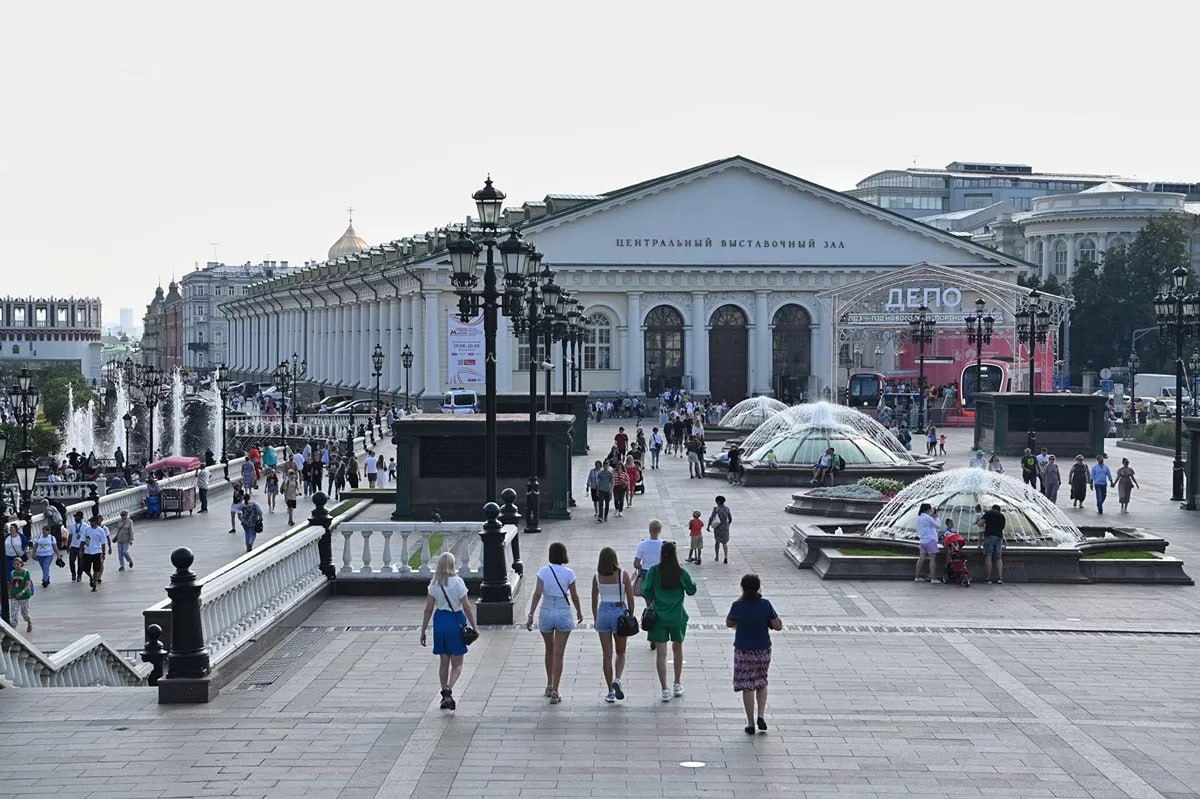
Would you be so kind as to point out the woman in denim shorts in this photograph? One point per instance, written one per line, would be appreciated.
(612, 593)
(556, 583)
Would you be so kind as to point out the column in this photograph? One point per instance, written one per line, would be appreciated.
(635, 347)
(627, 379)
(349, 328)
(1047, 256)
(699, 347)
(762, 344)
(375, 336)
(336, 338)
(415, 335)
(395, 370)
(1071, 242)
(433, 349)
(822, 354)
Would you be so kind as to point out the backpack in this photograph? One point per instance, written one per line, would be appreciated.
(253, 516)
(838, 463)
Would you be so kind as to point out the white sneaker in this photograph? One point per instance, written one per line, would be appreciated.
(611, 698)
(678, 691)
(666, 695)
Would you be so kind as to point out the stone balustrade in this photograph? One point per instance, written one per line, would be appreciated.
(305, 426)
(408, 549)
(87, 663)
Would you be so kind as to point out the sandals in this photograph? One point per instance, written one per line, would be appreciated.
(555, 698)
(447, 700)
(549, 691)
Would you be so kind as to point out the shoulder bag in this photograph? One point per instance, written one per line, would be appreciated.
(649, 615)
(627, 623)
(469, 634)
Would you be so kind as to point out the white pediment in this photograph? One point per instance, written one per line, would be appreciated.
(738, 212)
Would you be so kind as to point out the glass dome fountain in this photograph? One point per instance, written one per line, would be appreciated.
(750, 413)
(1031, 520)
(843, 420)
(804, 445)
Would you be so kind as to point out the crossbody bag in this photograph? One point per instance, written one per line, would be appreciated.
(469, 634)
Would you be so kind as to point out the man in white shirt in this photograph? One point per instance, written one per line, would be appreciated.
(977, 460)
(649, 551)
(75, 530)
(298, 458)
(95, 539)
(371, 467)
(202, 480)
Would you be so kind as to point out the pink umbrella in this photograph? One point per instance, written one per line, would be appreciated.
(183, 463)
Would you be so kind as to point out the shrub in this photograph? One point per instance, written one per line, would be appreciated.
(883, 485)
(1161, 434)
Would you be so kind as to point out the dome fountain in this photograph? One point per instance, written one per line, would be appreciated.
(1042, 543)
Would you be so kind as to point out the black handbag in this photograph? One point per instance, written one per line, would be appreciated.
(469, 634)
(649, 618)
(627, 623)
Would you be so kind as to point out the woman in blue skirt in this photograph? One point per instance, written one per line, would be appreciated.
(448, 605)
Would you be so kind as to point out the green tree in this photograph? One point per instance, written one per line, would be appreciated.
(57, 390)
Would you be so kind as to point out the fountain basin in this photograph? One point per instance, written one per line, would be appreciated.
(831, 556)
(789, 474)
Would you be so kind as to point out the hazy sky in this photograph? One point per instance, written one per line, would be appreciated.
(137, 133)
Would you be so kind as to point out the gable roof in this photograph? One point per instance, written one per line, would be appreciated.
(644, 188)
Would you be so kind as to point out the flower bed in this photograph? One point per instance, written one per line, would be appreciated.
(857, 491)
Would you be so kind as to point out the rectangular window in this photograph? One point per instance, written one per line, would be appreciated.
(523, 355)
(974, 201)
(1060, 261)
(597, 350)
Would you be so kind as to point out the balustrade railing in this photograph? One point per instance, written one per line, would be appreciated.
(408, 549)
(87, 663)
(306, 426)
(242, 598)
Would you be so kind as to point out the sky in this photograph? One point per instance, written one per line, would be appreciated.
(138, 136)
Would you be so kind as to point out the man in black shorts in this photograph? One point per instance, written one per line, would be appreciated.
(993, 523)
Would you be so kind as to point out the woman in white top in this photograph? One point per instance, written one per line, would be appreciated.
(612, 595)
(556, 583)
(447, 603)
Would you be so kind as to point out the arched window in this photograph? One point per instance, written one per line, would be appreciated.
(1060, 257)
(1039, 249)
(1116, 243)
(791, 346)
(597, 348)
(663, 349)
(1087, 251)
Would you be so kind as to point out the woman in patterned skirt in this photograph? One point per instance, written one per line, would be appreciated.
(752, 617)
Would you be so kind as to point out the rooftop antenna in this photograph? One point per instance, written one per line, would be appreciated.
(214, 244)
(914, 160)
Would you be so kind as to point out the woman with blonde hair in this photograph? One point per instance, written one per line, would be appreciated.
(448, 605)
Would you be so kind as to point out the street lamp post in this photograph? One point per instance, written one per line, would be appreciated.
(299, 371)
(283, 381)
(1178, 314)
(979, 332)
(151, 385)
(1134, 363)
(26, 469)
(223, 390)
(377, 362)
(4, 606)
(1033, 324)
(921, 331)
(127, 421)
(25, 406)
(1194, 364)
(530, 324)
(406, 360)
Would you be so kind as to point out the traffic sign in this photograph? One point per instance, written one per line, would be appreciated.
(1106, 385)
(1106, 373)
(1062, 382)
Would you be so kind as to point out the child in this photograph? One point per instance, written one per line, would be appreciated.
(695, 538)
(772, 459)
(719, 523)
(942, 444)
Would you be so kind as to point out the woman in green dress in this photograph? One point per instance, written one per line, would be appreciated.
(664, 587)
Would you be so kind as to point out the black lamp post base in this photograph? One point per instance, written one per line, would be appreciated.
(187, 690)
(497, 611)
(1177, 482)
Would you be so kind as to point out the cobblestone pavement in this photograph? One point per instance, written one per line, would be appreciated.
(878, 689)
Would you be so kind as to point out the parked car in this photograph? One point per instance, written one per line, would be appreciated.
(460, 401)
(355, 406)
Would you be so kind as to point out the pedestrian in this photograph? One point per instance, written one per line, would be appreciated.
(269, 459)
(718, 524)
(203, 478)
(1051, 479)
(235, 507)
(992, 522)
(271, 481)
(664, 588)
(337, 477)
(593, 491)
(122, 536)
(371, 469)
(942, 444)
(290, 489)
(352, 471)
(657, 442)
(633, 474)
(252, 520)
(447, 603)
(1078, 478)
(994, 464)
(45, 550)
(752, 618)
(249, 475)
(620, 486)
(96, 539)
(929, 529)
(1029, 468)
(1125, 483)
(75, 530)
(693, 456)
(977, 460)
(20, 591)
(646, 557)
(1102, 480)
(555, 582)
(931, 440)
(604, 487)
(15, 546)
(612, 596)
(695, 538)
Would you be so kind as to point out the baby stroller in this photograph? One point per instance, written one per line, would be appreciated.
(640, 488)
(956, 561)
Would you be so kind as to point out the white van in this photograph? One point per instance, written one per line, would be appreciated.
(460, 401)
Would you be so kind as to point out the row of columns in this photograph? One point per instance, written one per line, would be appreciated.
(1071, 240)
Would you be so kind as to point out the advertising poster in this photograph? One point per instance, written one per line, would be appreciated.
(465, 351)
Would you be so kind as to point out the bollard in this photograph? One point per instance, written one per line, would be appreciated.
(189, 669)
(510, 515)
(321, 518)
(495, 604)
(154, 653)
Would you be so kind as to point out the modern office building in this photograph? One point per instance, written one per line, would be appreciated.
(971, 185)
(126, 321)
(205, 330)
(35, 331)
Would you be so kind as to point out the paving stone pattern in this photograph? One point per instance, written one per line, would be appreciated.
(877, 689)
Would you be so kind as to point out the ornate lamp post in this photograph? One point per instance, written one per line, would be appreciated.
(151, 385)
(1134, 363)
(1178, 314)
(4, 608)
(282, 376)
(1194, 365)
(377, 362)
(406, 360)
(530, 323)
(26, 470)
(574, 319)
(299, 371)
(26, 397)
(1033, 324)
(127, 421)
(921, 331)
(223, 389)
(979, 332)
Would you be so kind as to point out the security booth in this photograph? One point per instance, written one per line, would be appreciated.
(1065, 424)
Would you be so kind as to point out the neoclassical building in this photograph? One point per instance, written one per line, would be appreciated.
(708, 279)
